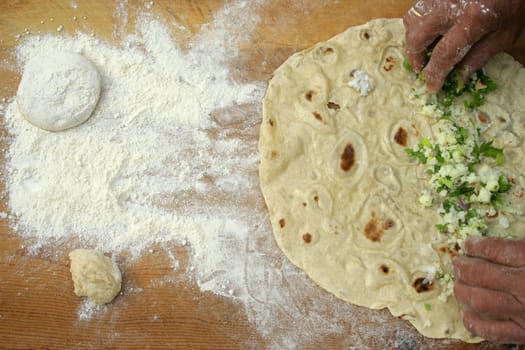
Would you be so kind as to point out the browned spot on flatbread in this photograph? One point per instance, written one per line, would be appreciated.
(384, 269)
(309, 95)
(274, 154)
(307, 238)
(319, 117)
(451, 251)
(483, 118)
(390, 59)
(282, 223)
(328, 51)
(373, 230)
(305, 204)
(388, 67)
(401, 137)
(366, 35)
(270, 121)
(348, 158)
(333, 105)
(422, 285)
(375, 227)
(502, 119)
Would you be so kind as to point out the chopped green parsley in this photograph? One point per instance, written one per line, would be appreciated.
(466, 183)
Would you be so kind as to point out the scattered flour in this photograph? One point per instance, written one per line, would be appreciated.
(170, 155)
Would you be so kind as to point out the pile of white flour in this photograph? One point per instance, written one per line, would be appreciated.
(169, 155)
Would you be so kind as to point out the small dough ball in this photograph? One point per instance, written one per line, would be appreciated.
(58, 91)
(94, 275)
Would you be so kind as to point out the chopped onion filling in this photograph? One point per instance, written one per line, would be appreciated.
(466, 184)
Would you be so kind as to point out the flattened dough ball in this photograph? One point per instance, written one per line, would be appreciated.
(58, 91)
(95, 275)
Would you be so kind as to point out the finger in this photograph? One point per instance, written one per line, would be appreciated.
(424, 23)
(473, 25)
(501, 251)
(495, 304)
(484, 274)
(482, 52)
(494, 330)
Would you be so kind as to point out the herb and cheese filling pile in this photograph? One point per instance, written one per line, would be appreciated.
(466, 179)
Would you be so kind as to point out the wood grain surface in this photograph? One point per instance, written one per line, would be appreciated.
(38, 309)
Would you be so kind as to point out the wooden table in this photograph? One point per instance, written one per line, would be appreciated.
(38, 309)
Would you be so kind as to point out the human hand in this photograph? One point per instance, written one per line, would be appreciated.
(490, 283)
(466, 34)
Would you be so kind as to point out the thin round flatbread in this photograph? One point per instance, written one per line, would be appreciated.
(341, 191)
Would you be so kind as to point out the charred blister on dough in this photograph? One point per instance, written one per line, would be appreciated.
(325, 54)
(348, 157)
(402, 134)
(332, 105)
(451, 251)
(328, 51)
(376, 227)
(422, 285)
(390, 61)
(483, 118)
(365, 35)
(319, 199)
(282, 223)
(307, 238)
(309, 95)
(401, 137)
(319, 117)
(384, 269)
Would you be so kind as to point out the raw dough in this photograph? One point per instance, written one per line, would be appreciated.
(58, 91)
(95, 275)
(343, 194)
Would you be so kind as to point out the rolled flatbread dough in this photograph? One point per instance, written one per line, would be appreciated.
(343, 194)
(95, 275)
(58, 91)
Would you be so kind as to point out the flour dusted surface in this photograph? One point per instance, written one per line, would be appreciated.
(138, 156)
